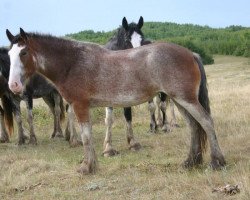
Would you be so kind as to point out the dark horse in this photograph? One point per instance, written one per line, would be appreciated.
(89, 75)
(36, 87)
(6, 117)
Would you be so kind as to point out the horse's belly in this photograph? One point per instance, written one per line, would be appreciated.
(120, 100)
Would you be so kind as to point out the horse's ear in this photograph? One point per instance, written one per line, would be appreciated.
(140, 23)
(125, 23)
(9, 35)
(23, 34)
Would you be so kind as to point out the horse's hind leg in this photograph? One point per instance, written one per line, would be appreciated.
(197, 140)
(133, 145)
(29, 105)
(157, 101)
(152, 108)
(4, 137)
(107, 145)
(173, 122)
(206, 122)
(73, 139)
(163, 106)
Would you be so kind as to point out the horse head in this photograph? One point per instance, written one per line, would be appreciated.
(21, 60)
(131, 33)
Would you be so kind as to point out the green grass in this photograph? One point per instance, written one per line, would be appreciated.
(48, 170)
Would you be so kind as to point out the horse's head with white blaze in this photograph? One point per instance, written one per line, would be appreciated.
(21, 60)
(132, 33)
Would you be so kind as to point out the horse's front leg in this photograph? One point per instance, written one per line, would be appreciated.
(53, 101)
(57, 116)
(29, 105)
(4, 137)
(107, 145)
(89, 164)
(133, 145)
(17, 113)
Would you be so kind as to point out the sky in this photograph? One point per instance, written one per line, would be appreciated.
(61, 17)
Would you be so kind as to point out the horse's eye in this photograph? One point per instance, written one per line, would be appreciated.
(23, 53)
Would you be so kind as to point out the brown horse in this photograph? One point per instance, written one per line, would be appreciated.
(88, 75)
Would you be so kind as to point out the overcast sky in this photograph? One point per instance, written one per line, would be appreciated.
(60, 17)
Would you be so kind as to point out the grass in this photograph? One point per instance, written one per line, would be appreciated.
(48, 170)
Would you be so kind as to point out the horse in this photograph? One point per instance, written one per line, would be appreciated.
(127, 36)
(88, 75)
(131, 36)
(36, 87)
(6, 117)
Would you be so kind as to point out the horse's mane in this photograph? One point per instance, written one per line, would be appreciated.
(4, 62)
(55, 40)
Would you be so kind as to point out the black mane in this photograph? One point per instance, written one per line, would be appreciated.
(122, 37)
(4, 62)
(37, 35)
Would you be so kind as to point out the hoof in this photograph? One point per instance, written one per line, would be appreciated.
(218, 163)
(22, 140)
(57, 134)
(159, 123)
(110, 153)
(75, 143)
(190, 162)
(87, 168)
(4, 140)
(135, 147)
(153, 128)
(166, 128)
(33, 140)
(152, 131)
(175, 125)
(83, 170)
(67, 135)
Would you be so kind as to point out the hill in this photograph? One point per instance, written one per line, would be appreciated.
(232, 40)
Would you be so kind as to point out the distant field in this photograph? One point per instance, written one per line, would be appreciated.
(48, 170)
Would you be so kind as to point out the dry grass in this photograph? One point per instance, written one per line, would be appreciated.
(48, 170)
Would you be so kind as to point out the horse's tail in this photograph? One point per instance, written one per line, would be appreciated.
(62, 115)
(8, 114)
(203, 99)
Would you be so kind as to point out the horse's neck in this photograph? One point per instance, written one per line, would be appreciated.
(58, 59)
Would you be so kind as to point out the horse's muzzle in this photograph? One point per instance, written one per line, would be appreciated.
(16, 87)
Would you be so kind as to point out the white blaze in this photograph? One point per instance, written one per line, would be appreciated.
(16, 66)
(136, 40)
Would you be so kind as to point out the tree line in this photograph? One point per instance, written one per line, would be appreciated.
(232, 40)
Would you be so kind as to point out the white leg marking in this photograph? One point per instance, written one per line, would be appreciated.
(90, 160)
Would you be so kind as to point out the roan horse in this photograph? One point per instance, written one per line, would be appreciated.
(88, 75)
(36, 87)
(130, 36)
(127, 36)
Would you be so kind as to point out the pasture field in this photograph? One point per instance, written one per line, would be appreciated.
(48, 170)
